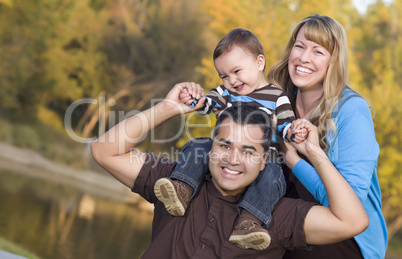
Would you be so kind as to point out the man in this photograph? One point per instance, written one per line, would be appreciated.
(238, 154)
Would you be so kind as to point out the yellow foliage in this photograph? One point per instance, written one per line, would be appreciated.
(7, 2)
(210, 76)
(50, 118)
(197, 126)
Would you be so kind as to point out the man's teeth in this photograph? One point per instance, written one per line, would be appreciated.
(303, 70)
(229, 171)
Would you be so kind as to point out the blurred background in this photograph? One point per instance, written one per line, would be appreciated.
(71, 69)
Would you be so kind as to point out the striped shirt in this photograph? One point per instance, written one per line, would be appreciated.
(269, 98)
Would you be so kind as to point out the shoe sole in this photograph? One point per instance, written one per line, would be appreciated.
(166, 193)
(257, 240)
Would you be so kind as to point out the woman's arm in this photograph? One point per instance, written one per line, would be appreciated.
(345, 217)
(353, 152)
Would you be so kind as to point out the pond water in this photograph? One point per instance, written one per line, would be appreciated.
(54, 220)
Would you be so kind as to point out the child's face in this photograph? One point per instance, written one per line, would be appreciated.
(240, 71)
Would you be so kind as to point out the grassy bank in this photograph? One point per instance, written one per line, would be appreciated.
(53, 144)
(10, 247)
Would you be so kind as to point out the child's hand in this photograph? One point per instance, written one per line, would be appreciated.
(310, 146)
(185, 97)
(299, 132)
(174, 100)
(300, 135)
(191, 94)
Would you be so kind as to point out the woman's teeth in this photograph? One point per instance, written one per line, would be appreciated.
(303, 70)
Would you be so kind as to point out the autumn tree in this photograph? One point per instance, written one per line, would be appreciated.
(378, 52)
(22, 44)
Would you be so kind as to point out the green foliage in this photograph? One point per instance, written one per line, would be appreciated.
(6, 131)
(74, 64)
(25, 136)
(21, 49)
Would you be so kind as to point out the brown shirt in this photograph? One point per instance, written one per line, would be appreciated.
(203, 232)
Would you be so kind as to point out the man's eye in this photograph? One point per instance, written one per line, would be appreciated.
(247, 152)
(224, 146)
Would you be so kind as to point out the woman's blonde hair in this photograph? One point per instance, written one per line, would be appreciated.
(330, 34)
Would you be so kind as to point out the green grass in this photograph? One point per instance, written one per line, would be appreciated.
(10, 247)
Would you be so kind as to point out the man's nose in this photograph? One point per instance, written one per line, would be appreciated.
(235, 157)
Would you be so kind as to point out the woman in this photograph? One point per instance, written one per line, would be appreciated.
(313, 72)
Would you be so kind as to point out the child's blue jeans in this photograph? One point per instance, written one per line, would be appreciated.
(260, 197)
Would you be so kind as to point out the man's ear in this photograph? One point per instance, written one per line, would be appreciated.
(261, 62)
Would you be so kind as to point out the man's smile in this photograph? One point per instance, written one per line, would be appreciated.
(230, 171)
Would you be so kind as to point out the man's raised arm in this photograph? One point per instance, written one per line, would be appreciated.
(115, 151)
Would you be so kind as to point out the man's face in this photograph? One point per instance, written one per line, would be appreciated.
(236, 157)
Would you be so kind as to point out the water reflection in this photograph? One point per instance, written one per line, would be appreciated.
(58, 221)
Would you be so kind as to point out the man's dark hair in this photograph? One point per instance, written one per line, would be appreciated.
(247, 114)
